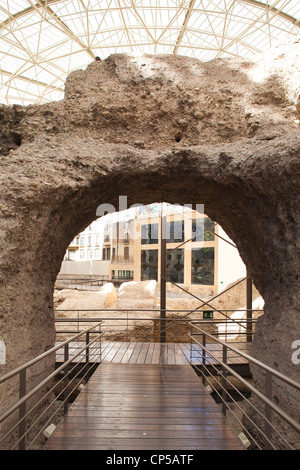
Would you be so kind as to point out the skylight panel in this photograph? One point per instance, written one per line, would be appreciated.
(14, 6)
(43, 43)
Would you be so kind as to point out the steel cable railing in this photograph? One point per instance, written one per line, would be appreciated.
(170, 322)
(80, 350)
(210, 365)
(123, 325)
(17, 431)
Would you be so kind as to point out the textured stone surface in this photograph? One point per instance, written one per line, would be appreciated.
(156, 128)
(73, 299)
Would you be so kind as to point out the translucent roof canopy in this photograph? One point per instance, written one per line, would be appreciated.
(42, 41)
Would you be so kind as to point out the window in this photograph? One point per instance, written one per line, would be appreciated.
(149, 234)
(106, 254)
(203, 266)
(175, 231)
(71, 255)
(175, 265)
(118, 274)
(126, 252)
(149, 264)
(202, 230)
(97, 253)
(90, 254)
(124, 231)
(81, 254)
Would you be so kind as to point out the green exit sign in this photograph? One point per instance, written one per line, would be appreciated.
(208, 314)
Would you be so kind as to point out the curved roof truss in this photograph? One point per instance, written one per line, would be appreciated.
(42, 41)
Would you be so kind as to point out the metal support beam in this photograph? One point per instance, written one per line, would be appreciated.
(184, 26)
(163, 271)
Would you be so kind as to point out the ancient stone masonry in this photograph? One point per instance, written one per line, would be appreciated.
(155, 128)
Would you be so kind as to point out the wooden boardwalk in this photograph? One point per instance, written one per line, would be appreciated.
(154, 403)
(118, 352)
(145, 353)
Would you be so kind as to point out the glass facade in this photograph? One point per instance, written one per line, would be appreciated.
(175, 265)
(149, 234)
(175, 231)
(149, 265)
(202, 230)
(203, 266)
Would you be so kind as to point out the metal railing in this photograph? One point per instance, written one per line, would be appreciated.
(141, 325)
(256, 413)
(87, 284)
(122, 260)
(231, 330)
(127, 323)
(40, 400)
(76, 354)
(72, 283)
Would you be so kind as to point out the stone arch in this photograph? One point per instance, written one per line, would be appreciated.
(116, 133)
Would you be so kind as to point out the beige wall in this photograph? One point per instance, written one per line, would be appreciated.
(100, 268)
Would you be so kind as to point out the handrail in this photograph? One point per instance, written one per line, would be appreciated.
(43, 383)
(24, 395)
(165, 323)
(251, 359)
(226, 371)
(149, 310)
(19, 369)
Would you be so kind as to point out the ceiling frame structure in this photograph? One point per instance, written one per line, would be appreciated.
(42, 41)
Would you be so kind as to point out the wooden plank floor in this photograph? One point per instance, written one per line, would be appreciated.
(153, 353)
(145, 353)
(143, 407)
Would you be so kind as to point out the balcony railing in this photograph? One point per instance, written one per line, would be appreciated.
(122, 260)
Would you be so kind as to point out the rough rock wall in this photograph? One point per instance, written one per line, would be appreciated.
(158, 102)
(156, 128)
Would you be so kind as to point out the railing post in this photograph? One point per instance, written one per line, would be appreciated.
(22, 410)
(100, 344)
(87, 351)
(163, 274)
(268, 410)
(66, 378)
(203, 356)
(249, 314)
(224, 381)
(191, 343)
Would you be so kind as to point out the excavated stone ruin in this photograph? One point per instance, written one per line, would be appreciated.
(155, 128)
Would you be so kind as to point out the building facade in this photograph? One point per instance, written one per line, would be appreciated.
(127, 246)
